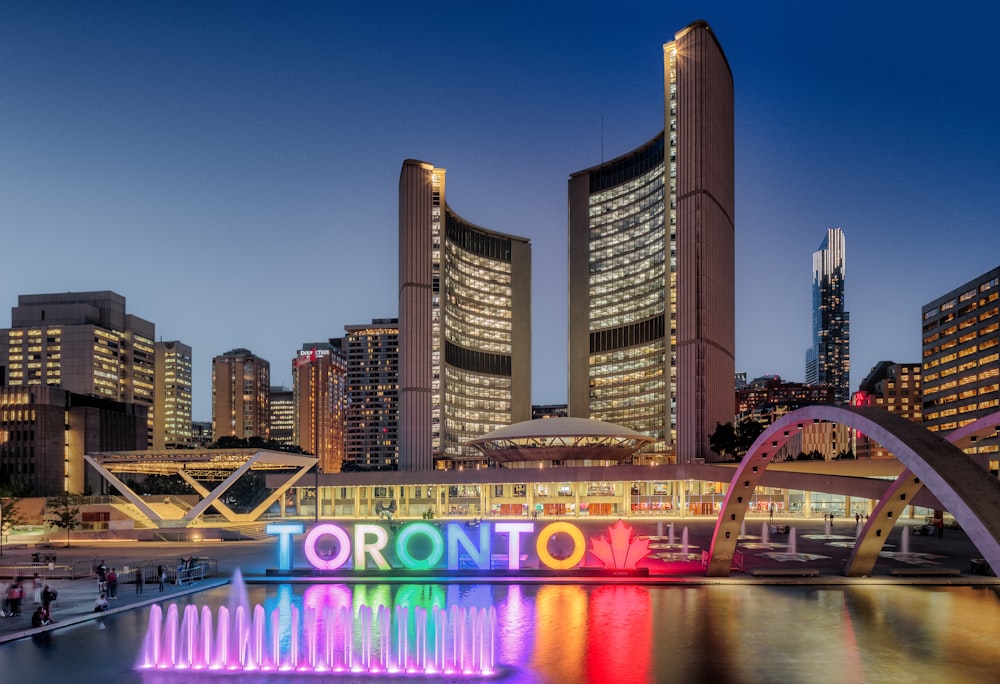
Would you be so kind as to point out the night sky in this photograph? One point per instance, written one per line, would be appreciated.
(231, 168)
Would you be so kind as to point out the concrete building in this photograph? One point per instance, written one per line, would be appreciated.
(241, 394)
(319, 378)
(828, 360)
(172, 396)
(46, 430)
(651, 266)
(283, 416)
(372, 413)
(545, 411)
(201, 432)
(464, 326)
(767, 398)
(895, 387)
(83, 342)
(961, 358)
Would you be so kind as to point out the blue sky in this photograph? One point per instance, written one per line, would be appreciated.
(231, 168)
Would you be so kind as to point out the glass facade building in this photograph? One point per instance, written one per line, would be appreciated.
(961, 357)
(651, 284)
(464, 325)
(172, 413)
(372, 414)
(828, 360)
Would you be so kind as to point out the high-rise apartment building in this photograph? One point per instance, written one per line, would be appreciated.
(828, 360)
(83, 342)
(464, 325)
(961, 358)
(283, 416)
(319, 376)
(241, 394)
(372, 414)
(895, 387)
(651, 265)
(172, 396)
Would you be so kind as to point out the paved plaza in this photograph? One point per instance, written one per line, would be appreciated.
(818, 552)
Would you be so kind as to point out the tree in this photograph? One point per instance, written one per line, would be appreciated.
(723, 440)
(746, 434)
(65, 510)
(246, 493)
(734, 441)
(10, 516)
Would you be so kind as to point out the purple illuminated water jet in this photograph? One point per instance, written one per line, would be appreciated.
(326, 639)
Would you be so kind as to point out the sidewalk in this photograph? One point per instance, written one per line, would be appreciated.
(76, 599)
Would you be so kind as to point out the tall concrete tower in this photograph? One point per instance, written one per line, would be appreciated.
(651, 266)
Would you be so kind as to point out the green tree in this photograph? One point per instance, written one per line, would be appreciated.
(65, 512)
(734, 442)
(247, 492)
(164, 484)
(10, 516)
(746, 433)
(723, 440)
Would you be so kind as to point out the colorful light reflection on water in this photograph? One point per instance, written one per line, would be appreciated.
(731, 633)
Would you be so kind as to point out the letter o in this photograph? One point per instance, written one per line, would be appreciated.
(579, 545)
(437, 546)
(337, 561)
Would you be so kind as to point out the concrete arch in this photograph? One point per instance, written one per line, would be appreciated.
(871, 540)
(968, 492)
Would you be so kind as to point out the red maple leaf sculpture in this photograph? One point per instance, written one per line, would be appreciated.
(622, 551)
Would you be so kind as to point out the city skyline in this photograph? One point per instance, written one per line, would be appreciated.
(260, 146)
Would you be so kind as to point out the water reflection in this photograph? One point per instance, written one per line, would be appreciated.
(566, 633)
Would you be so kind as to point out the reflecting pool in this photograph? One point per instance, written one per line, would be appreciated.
(613, 633)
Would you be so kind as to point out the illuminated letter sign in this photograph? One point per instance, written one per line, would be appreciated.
(285, 532)
(374, 549)
(579, 546)
(514, 544)
(437, 546)
(480, 556)
(324, 563)
(371, 540)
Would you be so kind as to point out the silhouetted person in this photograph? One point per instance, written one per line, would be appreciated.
(40, 617)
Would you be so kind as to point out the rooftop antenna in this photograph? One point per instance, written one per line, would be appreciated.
(602, 138)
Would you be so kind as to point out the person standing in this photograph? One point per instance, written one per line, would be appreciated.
(161, 574)
(36, 589)
(49, 596)
(138, 581)
(102, 577)
(113, 583)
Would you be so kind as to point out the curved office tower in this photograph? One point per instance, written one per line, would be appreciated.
(651, 301)
(464, 325)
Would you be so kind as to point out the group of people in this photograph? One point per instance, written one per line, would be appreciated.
(107, 580)
(12, 600)
(42, 594)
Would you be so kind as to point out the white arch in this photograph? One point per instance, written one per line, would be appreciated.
(870, 540)
(964, 488)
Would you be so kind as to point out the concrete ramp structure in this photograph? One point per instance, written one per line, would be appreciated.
(962, 486)
(195, 467)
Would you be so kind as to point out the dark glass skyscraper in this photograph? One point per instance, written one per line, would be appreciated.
(828, 360)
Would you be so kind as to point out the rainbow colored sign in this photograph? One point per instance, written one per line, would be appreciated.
(424, 546)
